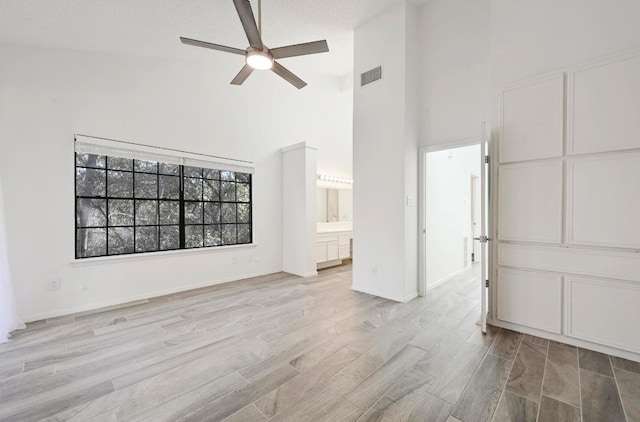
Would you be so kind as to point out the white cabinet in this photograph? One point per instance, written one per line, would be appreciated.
(321, 252)
(332, 247)
(344, 245)
(522, 294)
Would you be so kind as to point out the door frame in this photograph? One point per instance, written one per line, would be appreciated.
(422, 200)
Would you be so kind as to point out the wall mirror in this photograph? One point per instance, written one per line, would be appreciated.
(334, 205)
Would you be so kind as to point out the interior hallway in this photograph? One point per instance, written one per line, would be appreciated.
(289, 349)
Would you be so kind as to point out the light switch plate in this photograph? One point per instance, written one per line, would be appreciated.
(411, 201)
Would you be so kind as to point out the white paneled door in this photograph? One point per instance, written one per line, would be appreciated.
(568, 206)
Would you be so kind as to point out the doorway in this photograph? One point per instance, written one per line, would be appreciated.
(475, 216)
(451, 210)
(454, 223)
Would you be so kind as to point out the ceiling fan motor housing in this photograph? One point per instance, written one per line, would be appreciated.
(259, 59)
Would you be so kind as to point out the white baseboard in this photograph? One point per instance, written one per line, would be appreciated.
(128, 299)
(568, 340)
(328, 264)
(411, 296)
(378, 294)
(304, 275)
(301, 273)
(445, 278)
(404, 299)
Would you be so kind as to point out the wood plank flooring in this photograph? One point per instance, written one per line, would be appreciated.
(284, 348)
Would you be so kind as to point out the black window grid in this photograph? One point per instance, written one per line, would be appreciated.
(205, 175)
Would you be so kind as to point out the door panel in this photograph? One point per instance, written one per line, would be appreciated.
(568, 227)
(611, 125)
(604, 312)
(603, 201)
(532, 119)
(523, 294)
(530, 202)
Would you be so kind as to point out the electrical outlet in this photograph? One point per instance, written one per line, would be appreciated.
(250, 259)
(53, 285)
(374, 270)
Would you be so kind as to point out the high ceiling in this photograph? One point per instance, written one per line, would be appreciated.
(152, 27)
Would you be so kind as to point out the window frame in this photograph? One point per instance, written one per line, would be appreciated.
(182, 202)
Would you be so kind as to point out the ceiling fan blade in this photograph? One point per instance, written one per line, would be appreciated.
(243, 7)
(300, 49)
(288, 76)
(242, 75)
(212, 46)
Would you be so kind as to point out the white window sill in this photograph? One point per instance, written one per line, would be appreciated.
(158, 255)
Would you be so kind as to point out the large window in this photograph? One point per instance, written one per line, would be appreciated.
(126, 206)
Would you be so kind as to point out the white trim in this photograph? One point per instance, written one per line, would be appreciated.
(554, 277)
(101, 260)
(422, 202)
(410, 296)
(111, 147)
(569, 209)
(298, 146)
(329, 264)
(547, 162)
(622, 56)
(456, 143)
(570, 281)
(374, 292)
(493, 142)
(547, 77)
(609, 264)
(565, 339)
(135, 298)
(422, 222)
(447, 278)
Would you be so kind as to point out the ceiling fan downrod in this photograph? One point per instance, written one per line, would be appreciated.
(260, 18)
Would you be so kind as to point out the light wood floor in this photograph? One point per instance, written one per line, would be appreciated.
(289, 349)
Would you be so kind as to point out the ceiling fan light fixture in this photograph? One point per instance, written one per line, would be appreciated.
(257, 55)
(259, 60)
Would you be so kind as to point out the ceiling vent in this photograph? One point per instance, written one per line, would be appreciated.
(371, 76)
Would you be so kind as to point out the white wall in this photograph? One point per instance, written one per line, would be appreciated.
(529, 38)
(385, 157)
(47, 95)
(455, 67)
(448, 209)
(468, 48)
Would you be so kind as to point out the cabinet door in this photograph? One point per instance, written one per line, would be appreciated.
(344, 239)
(321, 252)
(332, 251)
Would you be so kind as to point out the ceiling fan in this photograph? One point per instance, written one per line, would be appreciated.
(257, 55)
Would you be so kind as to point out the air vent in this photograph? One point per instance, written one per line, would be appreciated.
(371, 76)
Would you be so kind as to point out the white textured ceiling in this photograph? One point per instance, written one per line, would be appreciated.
(152, 27)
